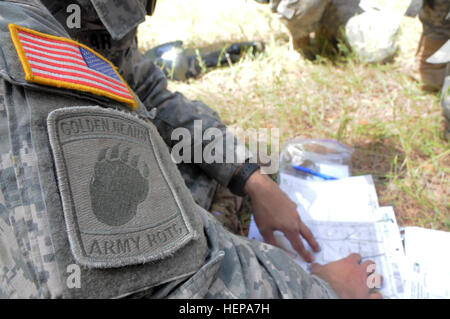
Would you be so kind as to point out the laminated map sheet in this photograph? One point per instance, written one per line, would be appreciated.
(345, 218)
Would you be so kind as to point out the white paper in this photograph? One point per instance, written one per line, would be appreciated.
(347, 199)
(428, 256)
(345, 218)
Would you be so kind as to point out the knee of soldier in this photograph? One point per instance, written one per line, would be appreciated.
(299, 10)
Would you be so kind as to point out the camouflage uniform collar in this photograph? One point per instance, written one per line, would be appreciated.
(120, 17)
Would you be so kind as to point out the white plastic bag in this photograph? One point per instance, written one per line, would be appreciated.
(373, 34)
(326, 157)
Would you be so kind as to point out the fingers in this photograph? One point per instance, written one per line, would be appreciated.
(355, 257)
(298, 246)
(296, 242)
(375, 295)
(367, 265)
(269, 237)
(307, 234)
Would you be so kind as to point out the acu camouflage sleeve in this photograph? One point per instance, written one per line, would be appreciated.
(239, 268)
(435, 17)
(173, 110)
(170, 110)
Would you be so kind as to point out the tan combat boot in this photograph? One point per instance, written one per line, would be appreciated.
(431, 75)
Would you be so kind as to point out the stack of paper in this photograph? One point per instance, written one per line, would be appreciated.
(345, 218)
(428, 258)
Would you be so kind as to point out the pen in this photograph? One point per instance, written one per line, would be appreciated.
(314, 173)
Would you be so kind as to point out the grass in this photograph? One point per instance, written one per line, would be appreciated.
(379, 110)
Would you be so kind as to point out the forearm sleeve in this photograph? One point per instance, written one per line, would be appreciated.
(173, 110)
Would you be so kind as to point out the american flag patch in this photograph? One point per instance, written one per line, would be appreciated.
(64, 63)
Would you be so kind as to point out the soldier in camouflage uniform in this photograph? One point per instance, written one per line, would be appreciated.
(91, 204)
(435, 18)
(113, 35)
(325, 17)
(111, 31)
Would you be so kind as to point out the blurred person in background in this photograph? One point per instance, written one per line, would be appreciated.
(435, 18)
(325, 18)
(217, 187)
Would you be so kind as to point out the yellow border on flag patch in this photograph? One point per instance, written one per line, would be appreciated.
(60, 84)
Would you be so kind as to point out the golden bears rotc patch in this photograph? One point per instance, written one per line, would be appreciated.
(64, 63)
(119, 206)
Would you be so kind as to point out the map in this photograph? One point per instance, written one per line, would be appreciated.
(362, 228)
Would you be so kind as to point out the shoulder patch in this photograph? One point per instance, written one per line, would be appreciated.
(120, 208)
(64, 63)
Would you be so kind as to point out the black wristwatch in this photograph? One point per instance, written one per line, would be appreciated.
(238, 181)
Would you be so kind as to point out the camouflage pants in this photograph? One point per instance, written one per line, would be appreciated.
(226, 207)
(433, 16)
(431, 75)
(302, 17)
(213, 197)
(436, 31)
(435, 19)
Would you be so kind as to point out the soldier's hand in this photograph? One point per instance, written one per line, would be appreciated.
(273, 210)
(347, 277)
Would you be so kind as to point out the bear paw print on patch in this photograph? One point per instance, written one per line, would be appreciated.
(119, 184)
